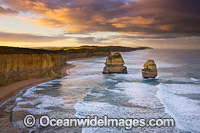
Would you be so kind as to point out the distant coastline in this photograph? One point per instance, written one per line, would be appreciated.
(68, 50)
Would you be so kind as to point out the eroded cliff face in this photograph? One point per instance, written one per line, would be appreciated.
(17, 67)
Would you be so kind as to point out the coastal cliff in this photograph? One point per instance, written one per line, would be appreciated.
(16, 67)
(18, 64)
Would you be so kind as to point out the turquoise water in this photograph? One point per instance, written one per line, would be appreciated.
(174, 93)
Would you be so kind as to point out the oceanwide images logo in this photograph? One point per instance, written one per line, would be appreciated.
(95, 121)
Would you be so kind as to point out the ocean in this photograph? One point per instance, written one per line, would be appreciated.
(174, 93)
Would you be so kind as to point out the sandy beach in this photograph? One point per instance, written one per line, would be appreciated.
(11, 90)
(7, 92)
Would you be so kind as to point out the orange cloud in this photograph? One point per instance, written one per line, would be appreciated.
(143, 16)
(5, 11)
(50, 23)
(124, 22)
(165, 27)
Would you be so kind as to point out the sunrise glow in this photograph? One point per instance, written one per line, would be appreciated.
(63, 23)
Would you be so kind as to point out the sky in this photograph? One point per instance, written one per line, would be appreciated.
(168, 24)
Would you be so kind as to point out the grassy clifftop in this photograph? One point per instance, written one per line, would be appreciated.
(67, 50)
(16, 50)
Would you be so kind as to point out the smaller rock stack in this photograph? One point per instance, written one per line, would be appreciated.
(114, 64)
(150, 69)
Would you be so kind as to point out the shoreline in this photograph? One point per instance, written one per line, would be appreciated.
(10, 91)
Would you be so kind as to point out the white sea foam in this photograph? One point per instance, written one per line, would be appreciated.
(39, 106)
(194, 79)
(141, 94)
(52, 101)
(130, 76)
(45, 84)
(113, 90)
(95, 94)
(31, 91)
(175, 78)
(84, 108)
(18, 99)
(180, 88)
(111, 80)
(100, 109)
(186, 111)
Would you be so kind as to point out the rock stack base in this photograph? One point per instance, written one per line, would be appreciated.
(150, 69)
(114, 64)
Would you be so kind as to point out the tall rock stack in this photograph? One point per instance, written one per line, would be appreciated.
(114, 64)
(150, 69)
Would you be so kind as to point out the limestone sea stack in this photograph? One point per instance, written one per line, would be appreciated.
(150, 69)
(114, 64)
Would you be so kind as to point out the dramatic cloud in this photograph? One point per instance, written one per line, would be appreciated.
(152, 36)
(16, 37)
(5, 11)
(174, 18)
(91, 40)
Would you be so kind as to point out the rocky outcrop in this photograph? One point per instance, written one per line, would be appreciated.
(114, 64)
(150, 69)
